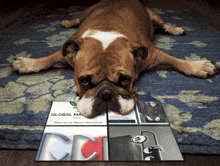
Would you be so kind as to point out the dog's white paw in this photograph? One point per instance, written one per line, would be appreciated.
(69, 23)
(65, 24)
(174, 30)
(202, 69)
(25, 65)
(179, 31)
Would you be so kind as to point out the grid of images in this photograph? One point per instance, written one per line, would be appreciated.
(142, 135)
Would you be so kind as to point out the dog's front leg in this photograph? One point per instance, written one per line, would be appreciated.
(201, 69)
(29, 65)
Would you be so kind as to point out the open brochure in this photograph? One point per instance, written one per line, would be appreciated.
(142, 135)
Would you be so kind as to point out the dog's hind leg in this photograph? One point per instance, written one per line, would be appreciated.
(70, 23)
(156, 19)
(29, 65)
(78, 21)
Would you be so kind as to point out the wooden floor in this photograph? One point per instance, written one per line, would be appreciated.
(27, 157)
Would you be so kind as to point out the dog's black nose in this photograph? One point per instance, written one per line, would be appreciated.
(105, 93)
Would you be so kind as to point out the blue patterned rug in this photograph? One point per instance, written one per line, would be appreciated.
(191, 104)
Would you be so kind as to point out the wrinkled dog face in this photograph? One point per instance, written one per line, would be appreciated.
(103, 97)
(104, 78)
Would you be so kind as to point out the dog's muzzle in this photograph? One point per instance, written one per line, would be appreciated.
(106, 98)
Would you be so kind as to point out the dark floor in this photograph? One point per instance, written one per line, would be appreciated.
(11, 11)
(26, 158)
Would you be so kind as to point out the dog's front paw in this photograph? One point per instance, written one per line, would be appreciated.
(24, 65)
(201, 69)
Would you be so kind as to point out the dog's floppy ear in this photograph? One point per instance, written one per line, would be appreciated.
(71, 47)
(142, 52)
(139, 51)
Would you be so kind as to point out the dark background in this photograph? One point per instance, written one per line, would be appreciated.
(13, 10)
(10, 5)
(15, 4)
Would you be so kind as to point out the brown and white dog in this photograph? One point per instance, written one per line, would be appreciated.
(109, 50)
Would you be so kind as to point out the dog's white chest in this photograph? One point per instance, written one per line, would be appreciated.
(106, 38)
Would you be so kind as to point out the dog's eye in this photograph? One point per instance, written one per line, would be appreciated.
(85, 81)
(124, 81)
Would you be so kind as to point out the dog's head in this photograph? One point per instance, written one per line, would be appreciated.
(104, 78)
